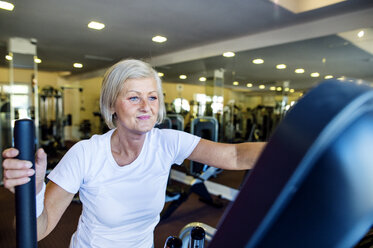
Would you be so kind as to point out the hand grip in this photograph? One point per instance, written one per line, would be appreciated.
(24, 141)
(197, 237)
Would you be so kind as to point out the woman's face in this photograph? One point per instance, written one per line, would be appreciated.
(137, 105)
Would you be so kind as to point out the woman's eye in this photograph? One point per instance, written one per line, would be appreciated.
(134, 98)
(152, 98)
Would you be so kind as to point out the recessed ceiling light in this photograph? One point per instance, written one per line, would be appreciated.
(315, 74)
(281, 66)
(328, 76)
(341, 78)
(6, 5)
(287, 89)
(202, 79)
(8, 57)
(229, 54)
(278, 88)
(96, 25)
(299, 70)
(304, 5)
(183, 77)
(78, 65)
(160, 74)
(249, 85)
(262, 86)
(159, 39)
(236, 83)
(292, 90)
(37, 60)
(273, 88)
(258, 61)
(360, 34)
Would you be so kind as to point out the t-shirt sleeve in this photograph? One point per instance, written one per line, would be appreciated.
(184, 145)
(68, 174)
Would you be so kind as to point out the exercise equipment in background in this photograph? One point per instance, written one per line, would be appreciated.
(166, 124)
(24, 141)
(177, 121)
(205, 127)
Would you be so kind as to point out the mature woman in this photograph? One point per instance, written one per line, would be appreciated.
(121, 175)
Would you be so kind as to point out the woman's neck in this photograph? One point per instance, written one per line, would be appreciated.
(126, 146)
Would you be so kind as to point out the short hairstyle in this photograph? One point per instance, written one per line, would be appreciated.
(114, 80)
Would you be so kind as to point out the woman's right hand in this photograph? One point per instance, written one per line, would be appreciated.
(17, 172)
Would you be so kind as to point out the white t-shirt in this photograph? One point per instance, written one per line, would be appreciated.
(121, 205)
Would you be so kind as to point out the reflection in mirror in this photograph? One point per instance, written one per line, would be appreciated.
(266, 82)
(348, 54)
(180, 106)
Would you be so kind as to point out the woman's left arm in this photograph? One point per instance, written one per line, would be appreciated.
(240, 156)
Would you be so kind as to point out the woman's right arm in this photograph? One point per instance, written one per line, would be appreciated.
(56, 200)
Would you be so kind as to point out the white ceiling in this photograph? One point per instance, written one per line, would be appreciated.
(198, 33)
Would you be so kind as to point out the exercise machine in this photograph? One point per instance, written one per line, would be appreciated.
(177, 121)
(313, 184)
(166, 123)
(312, 188)
(205, 127)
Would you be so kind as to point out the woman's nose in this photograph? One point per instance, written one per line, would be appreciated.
(144, 104)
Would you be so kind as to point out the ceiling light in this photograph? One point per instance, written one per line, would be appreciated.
(360, 34)
(279, 89)
(96, 25)
(281, 66)
(37, 60)
(292, 90)
(328, 76)
(273, 88)
(159, 39)
(287, 89)
(341, 78)
(182, 76)
(262, 86)
(258, 61)
(228, 54)
(8, 57)
(6, 5)
(249, 85)
(299, 70)
(300, 6)
(315, 74)
(78, 65)
(160, 74)
(236, 83)
(202, 79)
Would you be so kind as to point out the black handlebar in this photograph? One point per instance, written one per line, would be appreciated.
(24, 141)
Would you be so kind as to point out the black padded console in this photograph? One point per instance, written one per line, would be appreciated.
(313, 184)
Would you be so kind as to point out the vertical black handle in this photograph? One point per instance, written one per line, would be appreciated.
(24, 141)
(197, 237)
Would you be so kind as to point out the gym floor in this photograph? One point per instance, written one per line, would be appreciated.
(190, 211)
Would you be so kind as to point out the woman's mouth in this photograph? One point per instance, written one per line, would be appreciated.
(144, 117)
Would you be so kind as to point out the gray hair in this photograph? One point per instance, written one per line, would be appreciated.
(113, 83)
